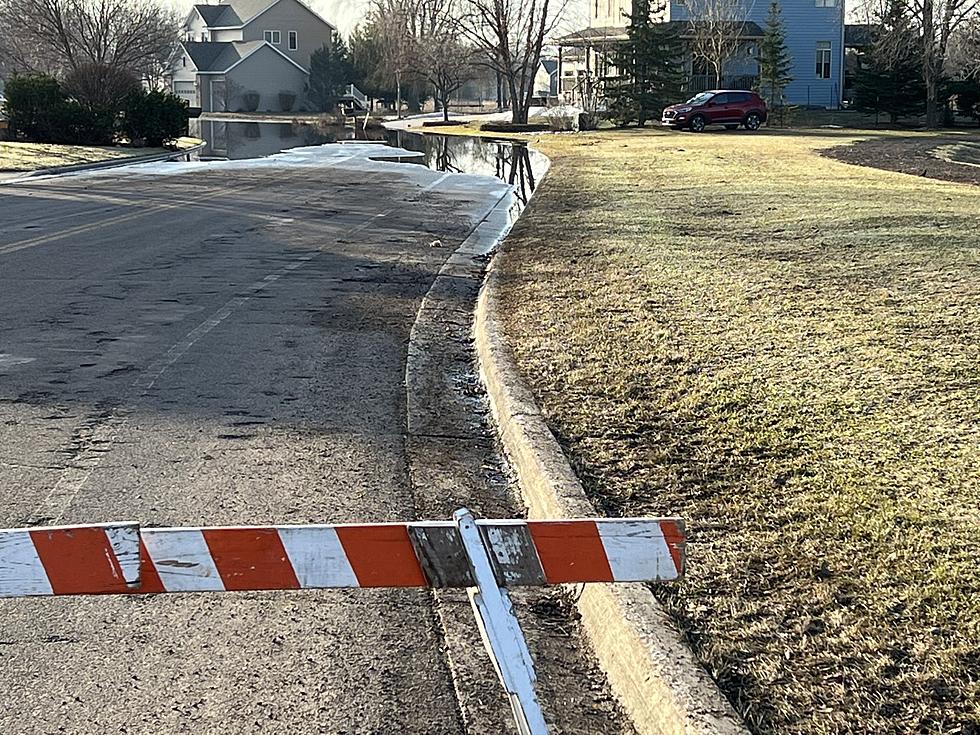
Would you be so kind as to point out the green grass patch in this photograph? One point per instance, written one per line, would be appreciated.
(783, 349)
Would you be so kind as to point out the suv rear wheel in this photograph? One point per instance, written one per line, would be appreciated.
(752, 121)
(698, 123)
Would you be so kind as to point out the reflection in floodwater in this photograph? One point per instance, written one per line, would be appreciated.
(236, 139)
(507, 160)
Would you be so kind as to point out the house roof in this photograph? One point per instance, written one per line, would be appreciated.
(218, 57)
(598, 34)
(210, 13)
(616, 34)
(205, 54)
(236, 13)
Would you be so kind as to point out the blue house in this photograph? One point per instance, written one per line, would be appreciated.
(815, 37)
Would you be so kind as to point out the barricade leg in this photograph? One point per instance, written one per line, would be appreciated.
(501, 631)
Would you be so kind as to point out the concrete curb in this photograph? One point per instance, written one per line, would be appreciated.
(186, 154)
(650, 668)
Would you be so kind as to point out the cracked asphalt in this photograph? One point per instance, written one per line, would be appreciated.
(203, 345)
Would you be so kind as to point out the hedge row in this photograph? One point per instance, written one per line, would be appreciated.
(39, 110)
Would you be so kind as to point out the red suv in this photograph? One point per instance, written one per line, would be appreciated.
(728, 107)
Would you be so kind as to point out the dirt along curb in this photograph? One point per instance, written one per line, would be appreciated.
(650, 667)
(453, 459)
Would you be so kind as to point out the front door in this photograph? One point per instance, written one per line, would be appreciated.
(219, 95)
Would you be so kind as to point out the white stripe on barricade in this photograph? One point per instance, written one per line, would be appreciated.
(488, 555)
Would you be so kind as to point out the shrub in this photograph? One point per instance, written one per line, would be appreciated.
(100, 86)
(38, 110)
(77, 124)
(622, 111)
(965, 97)
(154, 118)
(589, 120)
(32, 107)
(286, 101)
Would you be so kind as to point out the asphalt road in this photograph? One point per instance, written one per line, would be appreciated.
(222, 345)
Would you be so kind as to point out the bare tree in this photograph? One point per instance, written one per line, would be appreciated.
(392, 20)
(963, 59)
(65, 35)
(716, 32)
(509, 34)
(444, 60)
(939, 20)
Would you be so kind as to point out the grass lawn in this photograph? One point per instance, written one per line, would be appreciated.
(785, 350)
(34, 156)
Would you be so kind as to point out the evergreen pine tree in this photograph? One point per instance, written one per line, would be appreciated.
(648, 64)
(890, 78)
(330, 72)
(775, 62)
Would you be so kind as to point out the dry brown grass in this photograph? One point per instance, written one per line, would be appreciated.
(783, 349)
(35, 156)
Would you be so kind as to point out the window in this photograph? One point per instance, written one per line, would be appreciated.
(273, 37)
(293, 38)
(826, 3)
(823, 60)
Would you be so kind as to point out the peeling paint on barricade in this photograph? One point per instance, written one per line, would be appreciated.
(119, 558)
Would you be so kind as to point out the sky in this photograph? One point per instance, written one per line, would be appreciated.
(346, 14)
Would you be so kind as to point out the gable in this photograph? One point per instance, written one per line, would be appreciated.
(205, 55)
(210, 13)
(286, 6)
(268, 57)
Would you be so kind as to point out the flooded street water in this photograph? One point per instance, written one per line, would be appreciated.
(508, 160)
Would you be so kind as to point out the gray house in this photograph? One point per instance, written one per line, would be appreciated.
(247, 55)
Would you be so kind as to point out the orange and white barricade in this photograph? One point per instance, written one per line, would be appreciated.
(486, 556)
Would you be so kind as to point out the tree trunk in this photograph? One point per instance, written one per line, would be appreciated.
(518, 106)
(445, 108)
(929, 70)
(398, 93)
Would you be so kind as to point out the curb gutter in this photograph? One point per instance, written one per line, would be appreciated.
(186, 154)
(649, 665)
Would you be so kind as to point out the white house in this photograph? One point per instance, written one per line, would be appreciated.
(247, 55)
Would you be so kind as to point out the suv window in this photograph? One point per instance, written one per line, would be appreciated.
(740, 97)
(720, 99)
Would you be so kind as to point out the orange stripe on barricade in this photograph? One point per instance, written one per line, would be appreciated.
(79, 561)
(150, 582)
(570, 551)
(250, 559)
(382, 556)
(675, 542)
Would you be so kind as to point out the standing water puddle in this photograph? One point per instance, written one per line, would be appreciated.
(508, 160)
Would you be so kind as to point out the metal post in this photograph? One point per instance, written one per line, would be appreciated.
(500, 630)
